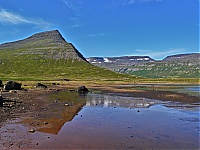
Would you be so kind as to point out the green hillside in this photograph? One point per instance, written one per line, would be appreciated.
(163, 71)
(176, 66)
(28, 67)
(47, 56)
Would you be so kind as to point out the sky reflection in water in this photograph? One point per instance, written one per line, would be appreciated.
(120, 122)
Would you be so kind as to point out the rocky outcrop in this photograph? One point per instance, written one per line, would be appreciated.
(124, 60)
(82, 89)
(12, 85)
(183, 57)
(41, 86)
(1, 101)
(1, 83)
(180, 65)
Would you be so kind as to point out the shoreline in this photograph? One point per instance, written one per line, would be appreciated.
(39, 112)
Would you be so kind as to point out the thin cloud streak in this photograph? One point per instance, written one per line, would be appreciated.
(12, 18)
(95, 35)
(159, 55)
(168, 52)
(73, 5)
(130, 2)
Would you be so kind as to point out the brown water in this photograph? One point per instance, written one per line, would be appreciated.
(109, 121)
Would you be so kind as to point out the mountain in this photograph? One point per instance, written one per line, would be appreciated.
(119, 64)
(179, 66)
(121, 60)
(48, 44)
(47, 56)
(182, 57)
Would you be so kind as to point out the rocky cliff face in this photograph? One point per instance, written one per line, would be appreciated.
(119, 64)
(181, 65)
(182, 57)
(124, 60)
(48, 44)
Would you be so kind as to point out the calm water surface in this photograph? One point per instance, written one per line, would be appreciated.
(109, 121)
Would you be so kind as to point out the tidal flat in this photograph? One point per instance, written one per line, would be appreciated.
(65, 119)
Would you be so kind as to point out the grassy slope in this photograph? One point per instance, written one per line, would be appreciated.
(35, 67)
(29, 67)
(169, 70)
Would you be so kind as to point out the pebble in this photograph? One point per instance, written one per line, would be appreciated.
(46, 123)
(31, 130)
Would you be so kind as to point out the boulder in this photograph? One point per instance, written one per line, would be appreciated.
(40, 85)
(1, 101)
(1, 83)
(82, 89)
(12, 85)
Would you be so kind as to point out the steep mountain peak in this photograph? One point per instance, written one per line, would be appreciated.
(49, 44)
(53, 34)
(38, 39)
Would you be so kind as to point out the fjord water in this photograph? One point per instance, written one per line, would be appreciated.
(110, 121)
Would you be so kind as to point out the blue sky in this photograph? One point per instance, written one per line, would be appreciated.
(108, 27)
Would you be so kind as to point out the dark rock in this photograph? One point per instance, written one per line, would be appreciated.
(40, 85)
(31, 130)
(12, 85)
(1, 83)
(46, 123)
(1, 101)
(82, 89)
(72, 90)
(66, 79)
(66, 104)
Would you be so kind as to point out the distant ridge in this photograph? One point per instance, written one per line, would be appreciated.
(48, 44)
(179, 66)
(120, 60)
(183, 56)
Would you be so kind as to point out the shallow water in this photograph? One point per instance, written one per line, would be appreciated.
(109, 121)
(187, 89)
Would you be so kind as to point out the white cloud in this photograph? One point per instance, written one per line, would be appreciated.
(168, 52)
(130, 2)
(8, 17)
(159, 54)
(12, 18)
(142, 51)
(69, 4)
(95, 35)
(76, 25)
(74, 5)
(118, 3)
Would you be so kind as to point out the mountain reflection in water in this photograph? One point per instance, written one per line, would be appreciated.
(77, 101)
(105, 100)
(110, 121)
(69, 104)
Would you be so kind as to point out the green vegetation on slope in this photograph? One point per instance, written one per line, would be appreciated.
(47, 56)
(34, 67)
(170, 69)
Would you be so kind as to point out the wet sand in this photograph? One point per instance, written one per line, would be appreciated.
(46, 115)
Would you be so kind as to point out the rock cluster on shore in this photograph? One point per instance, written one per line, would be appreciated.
(1, 101)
